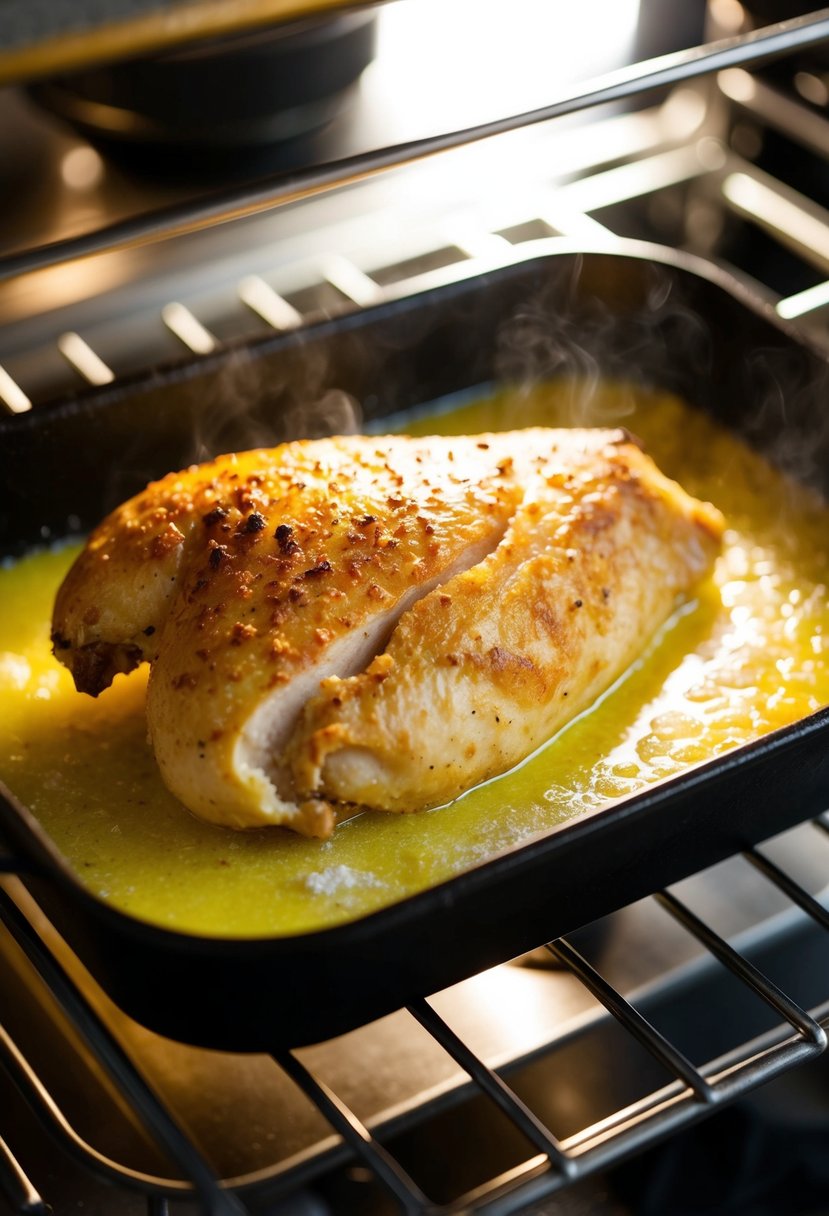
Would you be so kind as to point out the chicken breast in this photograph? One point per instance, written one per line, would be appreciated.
(380, 622)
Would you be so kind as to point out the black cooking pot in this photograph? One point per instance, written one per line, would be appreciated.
(225, 95)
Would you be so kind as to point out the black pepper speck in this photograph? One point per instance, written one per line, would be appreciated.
(254, 523)
(321, 568)
(283, 536)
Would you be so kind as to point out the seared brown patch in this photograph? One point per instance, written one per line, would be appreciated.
(164, 542)
(505, 660)
(544, 616)
(95, 666)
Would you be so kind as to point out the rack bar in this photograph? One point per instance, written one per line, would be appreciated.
(16, 1186)
(493, 1086)
(261, 298)
(795, 120)
(388, 1171)
(238, 203)
(789, 217)
(567, 222)
(84, 359)
(12, 397)
(44, 1107)
(623, 182)
(476, 243)
(666, 1111)
(793, 890)
(633, 1021)
(156, 1117)
(350, 281)
(650, 1119)
(744, 970)
(802, 303)
(187, 328)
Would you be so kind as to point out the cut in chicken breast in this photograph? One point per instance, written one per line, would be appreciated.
(379, 622)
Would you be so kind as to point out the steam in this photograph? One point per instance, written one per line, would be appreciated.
(606, 320)
(262, 402)
(241, 400)
(784, 387)
(591, 320)
(334, 413)
(584, 341)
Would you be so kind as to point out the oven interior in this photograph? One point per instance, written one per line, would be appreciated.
(523, 1087)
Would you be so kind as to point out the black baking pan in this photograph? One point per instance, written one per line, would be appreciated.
(671, 322)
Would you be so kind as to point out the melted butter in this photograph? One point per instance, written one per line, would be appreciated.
(747, 655)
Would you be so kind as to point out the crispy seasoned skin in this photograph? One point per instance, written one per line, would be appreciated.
(382, 622)
(480, 672)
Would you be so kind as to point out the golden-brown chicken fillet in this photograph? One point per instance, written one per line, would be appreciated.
(379, 621)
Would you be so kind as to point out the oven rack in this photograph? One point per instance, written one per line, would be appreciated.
(623, 158)
(553, 1162)
(621, 161)
(235, 204)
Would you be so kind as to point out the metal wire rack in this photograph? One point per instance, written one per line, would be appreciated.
(551, 1162)
(630, 156)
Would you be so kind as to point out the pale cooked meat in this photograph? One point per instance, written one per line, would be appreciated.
(480, 672)
(502, 580)
(247, 580)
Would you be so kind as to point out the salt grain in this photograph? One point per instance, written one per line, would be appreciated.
(337, 879)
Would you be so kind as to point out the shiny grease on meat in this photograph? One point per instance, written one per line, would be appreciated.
(378, 621)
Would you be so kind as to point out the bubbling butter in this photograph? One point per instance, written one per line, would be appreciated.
(747, 655)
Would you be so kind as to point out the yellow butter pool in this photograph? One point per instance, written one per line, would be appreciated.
(748, 655)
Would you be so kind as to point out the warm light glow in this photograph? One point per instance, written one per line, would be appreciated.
(81, 168)
(804, 302)
(446, 59)
(738, 85)
(268, 304)
(67, 283)
(84, 359)
(350, 280)
(12, 395)
(187, 328)
(812, 88)
(766, 206)
(727, 15)
(510, 1004)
